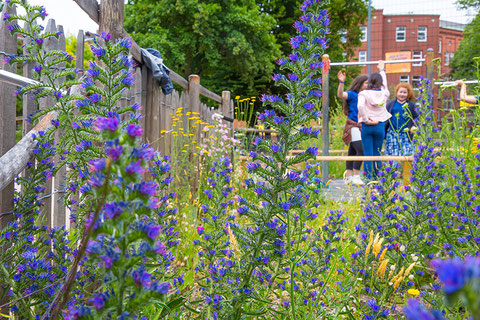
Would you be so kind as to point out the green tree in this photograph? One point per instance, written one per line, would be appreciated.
(463, 63)
(228, 43)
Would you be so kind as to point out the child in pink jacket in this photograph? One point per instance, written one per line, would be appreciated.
(372, 114)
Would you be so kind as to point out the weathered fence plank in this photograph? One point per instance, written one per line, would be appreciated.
(59, 212)
(8, 44)
(29, 104)
(80, 54)
(155, 119)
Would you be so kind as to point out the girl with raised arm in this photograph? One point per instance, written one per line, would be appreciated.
(351, 134)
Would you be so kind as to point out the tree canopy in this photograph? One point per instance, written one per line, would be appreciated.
(233, 45)
(463, 63)
(228, 43)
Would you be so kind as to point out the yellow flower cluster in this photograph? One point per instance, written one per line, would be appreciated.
(376, 245)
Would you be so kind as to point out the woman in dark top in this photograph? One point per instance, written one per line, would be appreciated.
(400, 126)
(351, 133)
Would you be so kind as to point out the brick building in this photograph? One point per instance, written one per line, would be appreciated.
(413, 34)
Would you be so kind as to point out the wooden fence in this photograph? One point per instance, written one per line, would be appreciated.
(158, 108)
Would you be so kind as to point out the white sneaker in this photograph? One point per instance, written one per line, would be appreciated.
(348, 180)
(356, 180)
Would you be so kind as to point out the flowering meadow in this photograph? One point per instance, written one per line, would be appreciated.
(255, 240)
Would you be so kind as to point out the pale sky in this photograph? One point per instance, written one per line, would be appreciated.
(68, 14)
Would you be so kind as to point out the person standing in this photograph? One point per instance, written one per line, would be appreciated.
(351, 134)
(372, 114)
(400, 126)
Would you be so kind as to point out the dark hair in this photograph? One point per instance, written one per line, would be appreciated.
(356, 86)
(375, 81)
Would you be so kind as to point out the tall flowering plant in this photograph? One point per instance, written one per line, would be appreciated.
(111, 188)
(271, 235)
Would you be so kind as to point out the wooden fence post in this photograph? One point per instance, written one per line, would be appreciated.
(80, 54)
(29, 104)
(325, 116)
(8, 44)
(194, 106)
(112, 17)
(194, 102)
(227, 111)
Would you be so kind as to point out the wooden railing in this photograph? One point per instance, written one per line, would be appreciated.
(158, 108)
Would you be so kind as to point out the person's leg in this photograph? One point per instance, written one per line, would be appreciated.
(378, 137)
(367, 142)
(350, 164)
(357, 146)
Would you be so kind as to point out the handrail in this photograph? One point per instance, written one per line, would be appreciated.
(15, 79)
(15, 159)
(352, 158)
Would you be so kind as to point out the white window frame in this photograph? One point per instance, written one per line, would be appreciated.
(364, 34)
(402, 30)
(405, 78)
(440, 46)
(417, 55)
(343, 35)
(422, 32)
(415, 81)
(362, 56)
(447, 58)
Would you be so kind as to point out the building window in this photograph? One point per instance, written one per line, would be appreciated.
(362, 56)
(439, 46)
(405, 79)
(364, 35)
(447, 58)
(416, 82)
(401, 34)
(417, 55)
(448, 105)
(343, 35)
(422, 34)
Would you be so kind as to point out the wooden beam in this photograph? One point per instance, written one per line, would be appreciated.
(15, 160)
(210, 95)
(353, 158)
(8, 44)
(91, 8)
(111, 18)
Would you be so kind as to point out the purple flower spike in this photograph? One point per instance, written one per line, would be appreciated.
(135, 167)
(134, 130)
(106, 36)
(57, 94)
(414, 310)
(39, 41)
(153, 231)
(107, 124)
(98, 301)
(451, 273)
